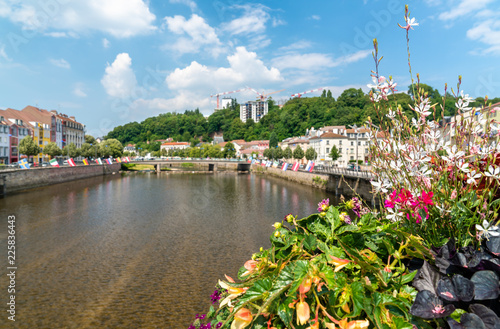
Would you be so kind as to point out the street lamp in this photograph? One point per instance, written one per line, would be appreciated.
(355, 127)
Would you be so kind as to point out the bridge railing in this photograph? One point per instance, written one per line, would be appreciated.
(345, 172)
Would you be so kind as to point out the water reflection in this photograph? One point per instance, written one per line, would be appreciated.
(140, 251)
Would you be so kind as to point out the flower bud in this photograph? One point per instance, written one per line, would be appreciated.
(277, 234)
(277, 225)
(322, 214)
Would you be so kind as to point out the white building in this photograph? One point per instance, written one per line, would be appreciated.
(174, 146)
(254, 110)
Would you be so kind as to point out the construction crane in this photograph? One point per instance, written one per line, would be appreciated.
(298, 95)
(226, 93)
(264, 96)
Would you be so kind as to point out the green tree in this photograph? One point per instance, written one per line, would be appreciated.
(52, 149)
(287, 153)
(229, 150)
(267, 153)
(111, 147)
(278, 153)
(90, 139)
(28, 147)
(87, 150)
(334, 153)
(273, 140)
(311, 154)
(70, 150)
(298, 153)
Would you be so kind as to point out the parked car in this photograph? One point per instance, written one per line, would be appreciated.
(45, 164)
(13, 165)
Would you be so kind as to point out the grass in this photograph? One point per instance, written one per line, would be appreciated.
(187, 165)
(136, 167)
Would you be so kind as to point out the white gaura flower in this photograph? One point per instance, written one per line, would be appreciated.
(434, 134)
(394, 215)
(472, 176)
(487, 230)
(453, 153)
(391, 114)
(463, 166)
(493, 172)
(381, 186)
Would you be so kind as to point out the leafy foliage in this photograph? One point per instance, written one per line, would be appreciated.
(28, 147)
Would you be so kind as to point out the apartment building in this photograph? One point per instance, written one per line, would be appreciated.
(254, 110)
(4, 141)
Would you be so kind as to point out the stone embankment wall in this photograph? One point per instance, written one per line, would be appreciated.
(338, 184)
(22, 179)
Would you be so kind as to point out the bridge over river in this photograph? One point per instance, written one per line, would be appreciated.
(342, 181)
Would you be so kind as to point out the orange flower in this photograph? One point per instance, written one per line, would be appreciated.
(242, 319)
(303, 312)
(250, 267)
(233, 292)
(339, 263)
(305, 285)
(356, 324)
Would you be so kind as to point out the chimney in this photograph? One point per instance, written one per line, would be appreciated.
(53, 111)
(72, 118)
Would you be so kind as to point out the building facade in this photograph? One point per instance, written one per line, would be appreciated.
(254, 110)
(4, 141)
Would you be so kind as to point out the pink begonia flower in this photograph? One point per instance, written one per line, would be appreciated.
(323, 205)
(405, 197)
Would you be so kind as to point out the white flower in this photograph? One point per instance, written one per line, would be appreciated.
(487, 230)
(493, 172)
(463, 166)
(434, 134)
(391, 114)
(394, 215)
(381, 186)
(472, 176)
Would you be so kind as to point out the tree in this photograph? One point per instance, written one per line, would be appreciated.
(287, 153)
(278, 153)
(28, 147)
(111, 147)
(87, 150)
(273, 140)
(298, 153)
(334, 153)
(267, 153)
(90, 140)
(229, 150)
(70, 150)
(52, 149)
(311, 154)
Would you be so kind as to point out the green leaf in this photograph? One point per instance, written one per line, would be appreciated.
(260, 290)
(310, 243)
(358, 296)
(408, 277)
(299, 273)
(286, 313)
(457, 314)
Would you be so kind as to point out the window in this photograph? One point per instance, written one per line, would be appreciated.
(327, 150)
(359, 143)
(340, 150)
(352, 151)
(352, 158)
(352, 143)
(340, 142)
(327, 143)
(366, 151)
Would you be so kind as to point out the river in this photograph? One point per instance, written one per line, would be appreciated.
(137, 251)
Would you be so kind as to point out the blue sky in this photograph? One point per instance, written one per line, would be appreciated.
(109, 62)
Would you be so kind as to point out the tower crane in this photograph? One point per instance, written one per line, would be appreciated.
(264, 96)
(226, 93)
(298, 95)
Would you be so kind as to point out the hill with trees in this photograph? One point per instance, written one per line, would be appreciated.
(353, 106)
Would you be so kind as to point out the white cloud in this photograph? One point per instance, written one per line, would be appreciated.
(464, 8)
(316, 17)
(78, 90)
(338, 90)
(278, 22)
(253, 20)
(316, 61)
(487, 32)
(120, 18)
(105, 43)
(119, 79)
(244, 69)
(301, 44)
(62, 63)
(199, 33)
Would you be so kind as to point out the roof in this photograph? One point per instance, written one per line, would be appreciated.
(360, 130)
(176, 143)
(329, 135)
(331, 128)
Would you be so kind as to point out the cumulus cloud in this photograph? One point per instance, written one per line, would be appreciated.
(62, 63)
(119, 79)
(487, 32)
(119, 18)
(190, 3)
(244, 68)
(195, 33)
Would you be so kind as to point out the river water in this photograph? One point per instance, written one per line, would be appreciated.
(137, 251)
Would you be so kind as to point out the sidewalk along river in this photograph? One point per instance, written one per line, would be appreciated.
(138, 251)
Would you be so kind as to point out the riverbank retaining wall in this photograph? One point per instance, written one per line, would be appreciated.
(22, 179)
(338, 184)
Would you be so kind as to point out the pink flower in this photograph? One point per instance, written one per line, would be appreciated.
(323, 205)
(392, 200)
(405, 197)
(426, 198)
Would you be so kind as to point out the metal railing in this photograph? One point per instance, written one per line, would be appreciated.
(344, 172)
